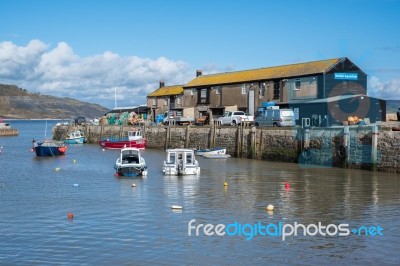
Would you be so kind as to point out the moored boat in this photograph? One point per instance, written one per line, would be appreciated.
(181, 162)
(75, 137)
(130, 163)
(48, 148)
(134, 140)
(216, 156)
(217, 150)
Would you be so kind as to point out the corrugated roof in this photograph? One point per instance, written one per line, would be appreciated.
(167, 91)
(267, 73)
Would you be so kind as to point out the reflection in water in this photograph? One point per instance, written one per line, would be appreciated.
(117, 223)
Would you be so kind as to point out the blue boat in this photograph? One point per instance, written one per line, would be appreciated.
(44, 148)
(75, 137)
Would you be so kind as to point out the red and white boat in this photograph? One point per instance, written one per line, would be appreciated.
(134, 140)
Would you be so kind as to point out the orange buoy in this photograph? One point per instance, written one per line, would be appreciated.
(70, 215)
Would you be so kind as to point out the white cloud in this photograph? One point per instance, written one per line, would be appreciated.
(60, 72)
(384, 90)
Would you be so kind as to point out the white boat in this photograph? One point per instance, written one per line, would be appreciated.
(216, 156)
(181, 162)
(210, 151)
(130, 163)
(75, 137)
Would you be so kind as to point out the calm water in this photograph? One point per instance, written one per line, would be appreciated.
(115, 223)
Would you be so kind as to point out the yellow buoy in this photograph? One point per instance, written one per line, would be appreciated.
(225, 184)
(270, 207)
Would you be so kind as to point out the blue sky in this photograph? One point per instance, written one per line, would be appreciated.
(88, 49)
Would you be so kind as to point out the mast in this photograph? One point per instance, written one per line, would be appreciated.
(115, 97)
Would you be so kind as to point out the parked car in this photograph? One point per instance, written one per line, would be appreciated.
(235, 118)
(275, 118)
(80, 120)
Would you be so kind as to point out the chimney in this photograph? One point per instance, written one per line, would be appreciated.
(198, 73)
(162, 84)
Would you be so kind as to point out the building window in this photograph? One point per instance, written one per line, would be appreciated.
(192, 92)
(179, 99)
(165, 101)
(297, 84)
(154, 101)
(276, 90)
(261, 93)
(218, 89)
(244, 90)
(203, 96)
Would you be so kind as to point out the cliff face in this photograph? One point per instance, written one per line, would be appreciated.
(19, 103)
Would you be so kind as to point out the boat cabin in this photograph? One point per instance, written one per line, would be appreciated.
(181, 162)
(130, 156)
(135, 134)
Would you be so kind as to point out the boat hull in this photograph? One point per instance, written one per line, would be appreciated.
(216, 156)
(130, 170)
(172, 170)
(75, 141)
(210, 151)
(49, 150)
(110, 144)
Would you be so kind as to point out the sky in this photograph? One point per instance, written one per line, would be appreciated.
(114, 53)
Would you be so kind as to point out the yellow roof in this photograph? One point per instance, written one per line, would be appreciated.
(167, 91)
(267, 73)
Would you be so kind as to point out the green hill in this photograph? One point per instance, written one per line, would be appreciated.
(18, 103)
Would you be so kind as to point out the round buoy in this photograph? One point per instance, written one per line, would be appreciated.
(103, 149)
(74, 161)
(225, 184)
(176, 207)
(133, 185)
(70, 215)
(144, 172)
(287, 185)
(270, 207)
(57, 169)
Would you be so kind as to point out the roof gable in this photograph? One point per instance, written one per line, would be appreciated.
(293, 70)
(167, 91)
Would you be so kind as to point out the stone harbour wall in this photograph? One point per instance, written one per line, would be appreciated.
(355, 148)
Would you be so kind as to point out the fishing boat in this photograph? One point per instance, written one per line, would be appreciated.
(130, 163)
(134, 140)
(75, 137)
(181, 162)
(210, 151)
(48, 148)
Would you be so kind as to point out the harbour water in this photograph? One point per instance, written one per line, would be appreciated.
(115, 223)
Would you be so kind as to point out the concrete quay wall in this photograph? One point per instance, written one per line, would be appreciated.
(354, 147)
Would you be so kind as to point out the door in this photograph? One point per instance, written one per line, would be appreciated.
(250, 103)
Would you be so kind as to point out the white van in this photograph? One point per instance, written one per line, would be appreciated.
(275, 118)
